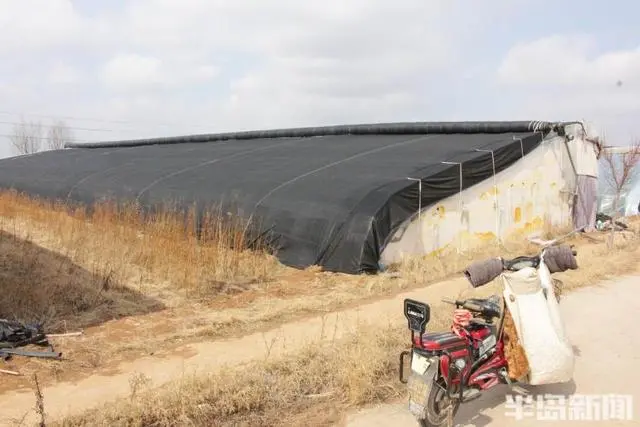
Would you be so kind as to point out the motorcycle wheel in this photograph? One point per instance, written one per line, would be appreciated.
(437, 404)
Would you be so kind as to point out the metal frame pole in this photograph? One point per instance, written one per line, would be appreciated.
(495, 192)
(459, 203)
(419, 209)
(521, 146)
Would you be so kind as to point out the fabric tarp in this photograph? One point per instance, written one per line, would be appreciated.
(331, 200)
(585, 207)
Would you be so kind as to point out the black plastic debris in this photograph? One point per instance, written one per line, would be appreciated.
(15, 334)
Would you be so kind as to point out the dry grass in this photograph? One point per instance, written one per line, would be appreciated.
(317, 384)
(72, 270)
(357, 371)
(158, 245)
(156, 255)
(42, 286)
(118, 257)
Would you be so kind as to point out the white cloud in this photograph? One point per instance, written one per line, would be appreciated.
(62, 73)
(566, 77)
(246, 64)
(32, 23)
(285, 63)
(130, 71)
(316, 61)
(34, 26)
(569, 61)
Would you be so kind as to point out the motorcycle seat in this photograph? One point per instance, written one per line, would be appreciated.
(442, 340)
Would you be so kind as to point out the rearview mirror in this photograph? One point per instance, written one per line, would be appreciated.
(417, 314)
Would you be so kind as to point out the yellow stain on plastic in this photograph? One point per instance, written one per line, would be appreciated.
(534, 225)
(438, 252)
(486, 236)
(517, 214)
(491, 193)
(439, 212)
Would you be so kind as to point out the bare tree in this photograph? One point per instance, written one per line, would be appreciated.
(27, 137)
(58, 135)
(621, 168)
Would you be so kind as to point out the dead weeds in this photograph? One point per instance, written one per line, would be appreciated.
(215, 285)
(354, 372)
(41, 286)
(72, 269)
(357, 370)
(162, 252)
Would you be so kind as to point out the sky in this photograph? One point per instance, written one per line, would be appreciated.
(144, 68)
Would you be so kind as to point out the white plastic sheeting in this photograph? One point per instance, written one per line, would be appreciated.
(629, 201)
(530, 297)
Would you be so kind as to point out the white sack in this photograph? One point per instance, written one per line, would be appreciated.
(539, 325)
(552, 303)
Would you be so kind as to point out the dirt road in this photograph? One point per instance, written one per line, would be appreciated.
(586, 324)
(208, 356)
(602, 324)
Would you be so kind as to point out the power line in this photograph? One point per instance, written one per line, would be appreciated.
(2, 122)
(8, 113)
(44, 138)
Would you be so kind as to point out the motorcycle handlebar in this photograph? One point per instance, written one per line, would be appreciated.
(507, 261)
(483, 272)
(469, 305)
